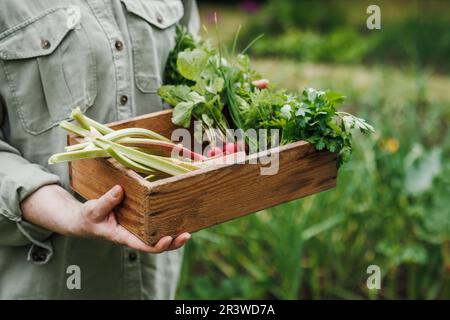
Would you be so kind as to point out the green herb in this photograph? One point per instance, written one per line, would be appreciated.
(311, 116)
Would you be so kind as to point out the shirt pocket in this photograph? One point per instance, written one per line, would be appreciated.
(50, 67)
(151, 25)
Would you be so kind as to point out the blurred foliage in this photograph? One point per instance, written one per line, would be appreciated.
(335, 31)
(391, 207)
(319, 15)
(340, 45)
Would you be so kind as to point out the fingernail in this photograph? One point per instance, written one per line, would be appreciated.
(188, 236)
(115, 192)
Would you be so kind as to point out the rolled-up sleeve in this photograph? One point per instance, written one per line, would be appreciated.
(18, 179)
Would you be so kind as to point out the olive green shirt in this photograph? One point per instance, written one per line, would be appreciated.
(108, 57)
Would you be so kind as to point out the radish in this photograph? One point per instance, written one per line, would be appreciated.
(261, 83)
(214, 152)
(229, 148)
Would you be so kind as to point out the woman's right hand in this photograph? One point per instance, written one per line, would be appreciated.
(55, 209)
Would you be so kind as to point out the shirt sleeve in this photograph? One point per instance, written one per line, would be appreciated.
(18, 179)
(191, 18)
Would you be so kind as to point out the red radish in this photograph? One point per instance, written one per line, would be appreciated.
(229, 148)
(214, 151)
(261, 83)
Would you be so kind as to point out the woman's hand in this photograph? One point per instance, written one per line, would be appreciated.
(55, 209)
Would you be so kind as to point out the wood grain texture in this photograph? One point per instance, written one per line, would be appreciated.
(205, 197)
(215, 196)
(91, 178)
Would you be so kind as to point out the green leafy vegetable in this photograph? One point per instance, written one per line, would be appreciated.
(212, 87)
(183, 110)
(184, 40)
(191, 63)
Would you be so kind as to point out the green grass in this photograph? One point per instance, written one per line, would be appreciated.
(385, 211)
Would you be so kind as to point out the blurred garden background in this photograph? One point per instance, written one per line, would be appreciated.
(392, 204)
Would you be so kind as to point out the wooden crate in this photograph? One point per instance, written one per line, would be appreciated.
(205, 197)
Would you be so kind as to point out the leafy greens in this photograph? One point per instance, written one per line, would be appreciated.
(205, 86)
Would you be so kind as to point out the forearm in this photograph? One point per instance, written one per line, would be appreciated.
(52, 208)
(18, 180)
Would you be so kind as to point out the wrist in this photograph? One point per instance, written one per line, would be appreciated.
(73, 219)
(52, 208)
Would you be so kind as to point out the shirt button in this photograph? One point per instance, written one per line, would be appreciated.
(159, 18)
(123, 100)
(45, 44)
(39, 254)
(119, 45)
(132, 256)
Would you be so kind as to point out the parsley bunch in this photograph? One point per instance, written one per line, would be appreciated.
(311, 116)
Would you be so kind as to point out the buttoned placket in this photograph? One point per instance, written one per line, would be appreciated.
(121, 59)
(132, 280)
